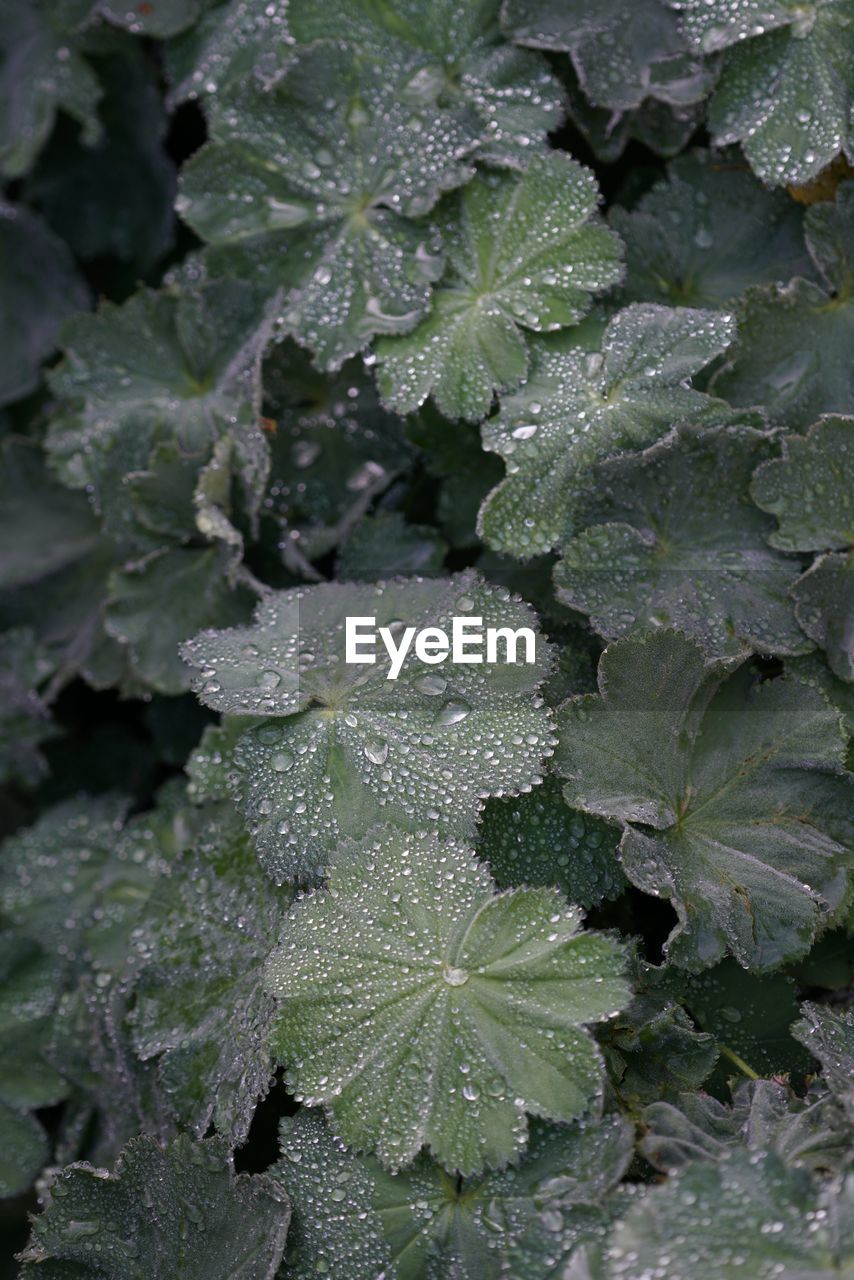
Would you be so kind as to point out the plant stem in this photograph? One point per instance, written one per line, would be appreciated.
(739, 1062)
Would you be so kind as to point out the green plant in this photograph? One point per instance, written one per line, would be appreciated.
(534, 317)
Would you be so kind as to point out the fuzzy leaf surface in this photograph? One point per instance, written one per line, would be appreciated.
(584, 401)
(524, 253)
(342, 747)
(732, 796)
(470, 1007)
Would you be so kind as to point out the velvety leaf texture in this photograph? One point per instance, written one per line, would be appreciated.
(731, 815)
(164, 1212)
(342, 746)
(523, 253)
(584, 401)
(446, 973)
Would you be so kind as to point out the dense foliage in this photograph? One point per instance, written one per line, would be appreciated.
(538, 312)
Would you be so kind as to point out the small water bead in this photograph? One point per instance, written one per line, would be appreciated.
(455, 977)
(452, 713)
(282, 761)
(432, 685)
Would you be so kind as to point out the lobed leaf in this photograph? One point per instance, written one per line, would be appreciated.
(674, 541)
(731, 795)
(587, 398)
(524, 252)
(341, 747)
(424, 1010)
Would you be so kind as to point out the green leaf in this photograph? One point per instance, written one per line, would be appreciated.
(425, 1010)
(810, 489)
(791, 353)
(747, 1217)
(623, 51)
(824, 605)
(383, 545)
(730, 792)
(748, 1014)
(829, 1036)
(725, 232)
(32, 985)
(180, 365)
(784, 91)
(200, 1008)
(343, 747)
(114, 196)
(814, 671)
(162, 600)
(448, 54)
(162, 18)
(663, 129)
(25, 721)
(764, 1116)
(23, 1151)
(41, 287)
(42, 71)
(675, 541)
(583, 402)
(43, 527)
(537, 839)
(354, 1221)
(71, 869)
(525, 252)
(163, 1213)
(316, 179)
(653, 1050)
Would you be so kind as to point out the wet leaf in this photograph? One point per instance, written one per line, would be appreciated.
(424, 1010)
(725, 232)
(354, 1221)
(731, 794)
(449, 53)
(784, 89)
(329, 215)
(342, 746)
(524, 253)
(586, 399)
(810, 489)
(42, 71)
(163, 1212)
(200, 1008)
(829, 1035)
(791, 353)
(624, 51)
(537, 839)
(677, 542)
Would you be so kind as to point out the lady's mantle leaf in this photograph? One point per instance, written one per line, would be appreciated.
(680, 544)
(182, 364)
(41, 287)
(524, 251)
(345, 747)
(765, 1116)
(829, 1036)
(824, 606)
(723, 232)
(448, 53)
(318, 176)
(811, 492)
(42, 71)
(731, 796)
(25, 721)
(537, 839)
(160, 18)
(178, 1211)
(810, 489)
(24, 1150)
(580, 405)
(746, 1218)
(624, 51)
(199, 1003)
(353, 1220)
(425, 1010)
(785, 88)
(792, 353)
